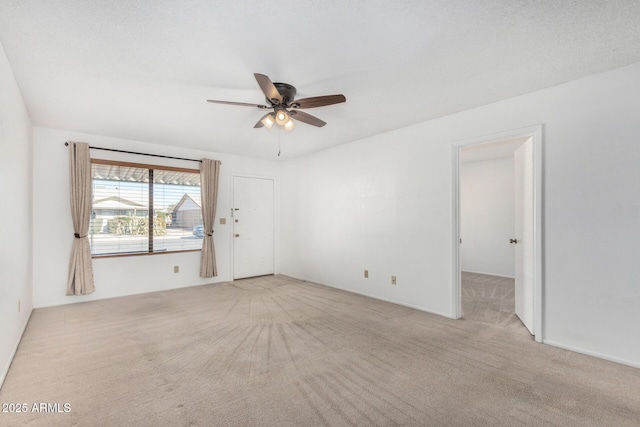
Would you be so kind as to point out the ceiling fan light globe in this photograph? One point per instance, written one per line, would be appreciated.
(268, 121)
(282, 117)
(289, 125)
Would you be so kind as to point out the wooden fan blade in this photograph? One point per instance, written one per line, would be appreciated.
(318, 101)
(306, 118)
(244, 104)
(268, 88)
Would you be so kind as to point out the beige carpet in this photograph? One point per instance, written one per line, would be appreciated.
(274, 351)
(489, 299)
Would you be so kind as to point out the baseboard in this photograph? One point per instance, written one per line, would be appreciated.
(73, 299)
(415, 307)
(488, 274)
(5, 371)
(592, 353)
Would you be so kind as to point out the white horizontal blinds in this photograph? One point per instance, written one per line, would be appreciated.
(176, 203)
(122, 221)
(120, 211)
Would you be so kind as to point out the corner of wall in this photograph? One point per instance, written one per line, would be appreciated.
(16, 168)
(5, 369)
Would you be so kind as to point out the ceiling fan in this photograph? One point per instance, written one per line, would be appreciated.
(281, 99)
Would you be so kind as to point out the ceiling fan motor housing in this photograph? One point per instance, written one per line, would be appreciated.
(287, 91)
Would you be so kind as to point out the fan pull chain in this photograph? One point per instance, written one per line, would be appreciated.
(279, 142)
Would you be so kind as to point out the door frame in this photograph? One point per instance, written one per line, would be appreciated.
(276, 218)
(536, 134)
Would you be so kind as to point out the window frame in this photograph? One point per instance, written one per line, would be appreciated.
(151, 209)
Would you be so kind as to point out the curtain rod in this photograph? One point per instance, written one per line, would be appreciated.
(66, 144)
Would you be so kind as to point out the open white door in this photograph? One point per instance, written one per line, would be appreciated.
(253, 215)
(524, 239)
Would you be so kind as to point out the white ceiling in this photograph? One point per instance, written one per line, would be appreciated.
(142, 69)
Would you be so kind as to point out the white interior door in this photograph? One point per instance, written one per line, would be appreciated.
(253, 216)
(524, 225)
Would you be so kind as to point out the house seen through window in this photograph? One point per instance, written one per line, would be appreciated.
(140, 209)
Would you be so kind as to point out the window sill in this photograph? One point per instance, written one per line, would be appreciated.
(129, 254)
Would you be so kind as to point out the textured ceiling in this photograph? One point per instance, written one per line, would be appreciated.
(142, 69)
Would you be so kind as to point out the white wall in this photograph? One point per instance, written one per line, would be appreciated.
(15, 215)
(487, 219)
(384, 203)
(53, 230)
(377, 204)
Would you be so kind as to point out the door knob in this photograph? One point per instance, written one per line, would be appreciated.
(237, 235)
(513, 241)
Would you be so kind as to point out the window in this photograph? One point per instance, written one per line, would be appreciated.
(143, 209)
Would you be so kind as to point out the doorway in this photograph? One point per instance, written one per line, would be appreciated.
(523, 244)
(253, 226)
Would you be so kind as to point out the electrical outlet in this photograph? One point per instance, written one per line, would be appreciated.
(393, 280)
(176, 269)
(223, 220)
(366, 274)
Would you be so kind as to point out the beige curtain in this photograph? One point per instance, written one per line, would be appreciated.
(209, 174)
(80, 280)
